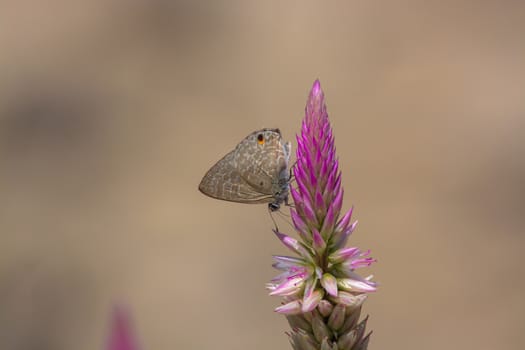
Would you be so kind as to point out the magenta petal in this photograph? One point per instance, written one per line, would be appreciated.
(309, 287)
(296, 196)
(303, 189)
(352, 285)
(323, 173)
(291, 308)
(277, 280)
(327, 149)
(316, 88)
(329, 283)
(310, 169)
(288, 287)
(330, 184)
(337, 203)
(309, 213)
(300, 226)
(288, 241)
(364, 262)
(318, 158)
(325, 308)
(352, 263)
(293, 245)
(319, 204)
(311, 301)
(345, 220)
(343, 254)
(318, 242)
(300, 176)
(328, 223)
(297, 221)
(300, 144)
(343, 237)
(337, 186)
(287, 262)
(352, 227)
(351, 300)
(122, 336)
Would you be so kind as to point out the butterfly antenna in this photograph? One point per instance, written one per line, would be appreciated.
(286, 218)
(283, 216)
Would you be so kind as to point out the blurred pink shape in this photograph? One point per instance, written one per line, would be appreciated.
(122, 336)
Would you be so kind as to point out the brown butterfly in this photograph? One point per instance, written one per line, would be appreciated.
(256, 171)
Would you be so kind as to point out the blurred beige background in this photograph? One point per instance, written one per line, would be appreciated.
(112, 111)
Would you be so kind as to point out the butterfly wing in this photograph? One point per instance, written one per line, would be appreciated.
(223, 181)
(263, 166)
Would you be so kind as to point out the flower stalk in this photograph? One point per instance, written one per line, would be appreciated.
(322, 293)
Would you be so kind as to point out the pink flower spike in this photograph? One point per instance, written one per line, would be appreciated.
(322, 293)
(121, 335)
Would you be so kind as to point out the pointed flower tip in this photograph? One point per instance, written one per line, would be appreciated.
(292, 244)
(359, 286)
(311, 301)
(318, 241)
(291, 308)
(316, 87)
(287, 240)
(351, 300)
(329, 283)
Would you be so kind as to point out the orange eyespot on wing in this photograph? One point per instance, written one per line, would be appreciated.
(260, 139)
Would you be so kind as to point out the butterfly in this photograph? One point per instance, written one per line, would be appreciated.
(256, 171)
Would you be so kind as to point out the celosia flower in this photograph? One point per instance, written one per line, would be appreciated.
(322, 292)
(121, 335)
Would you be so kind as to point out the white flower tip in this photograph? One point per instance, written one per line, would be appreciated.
(291, 308)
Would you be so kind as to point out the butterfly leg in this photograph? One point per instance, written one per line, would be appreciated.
(291, 176)
(288, 204)
(270, 211)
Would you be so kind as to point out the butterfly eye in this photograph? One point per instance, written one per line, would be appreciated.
(260, 139)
